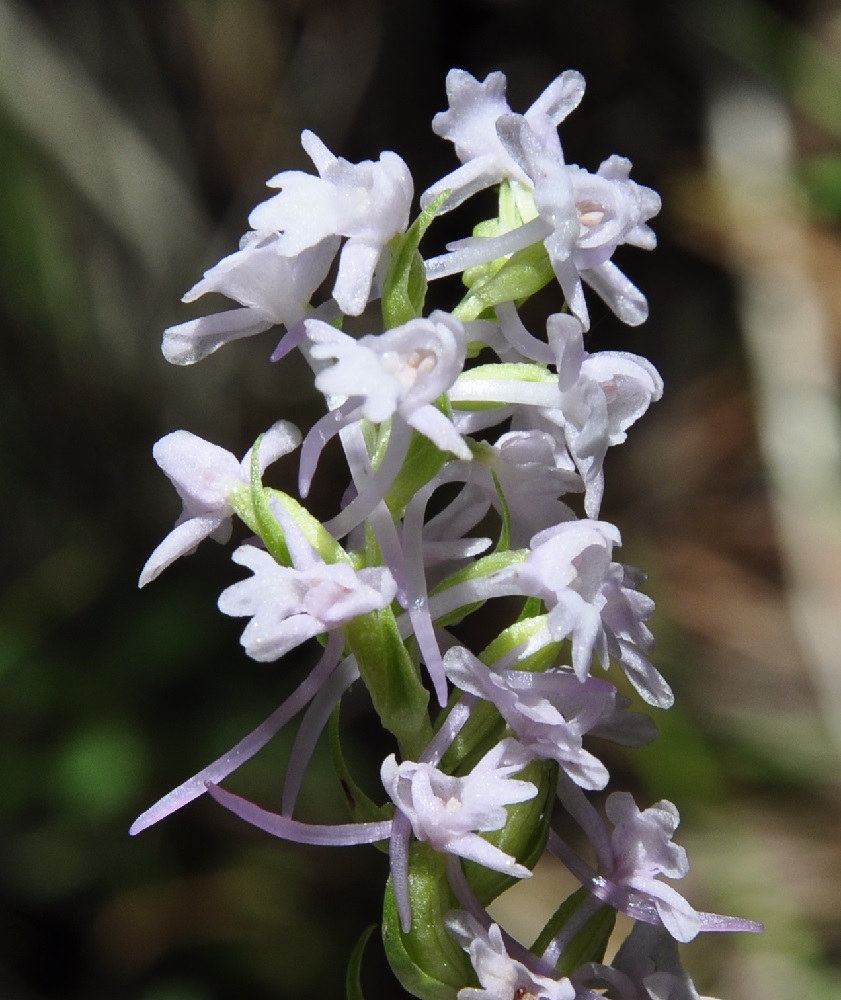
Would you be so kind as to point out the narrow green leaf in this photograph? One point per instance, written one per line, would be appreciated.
(353, 979)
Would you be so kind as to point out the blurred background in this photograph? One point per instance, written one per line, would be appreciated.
(134, 138)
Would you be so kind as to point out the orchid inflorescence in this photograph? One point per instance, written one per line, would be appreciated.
(510, 421)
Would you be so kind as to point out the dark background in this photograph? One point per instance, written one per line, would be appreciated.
(134, 139)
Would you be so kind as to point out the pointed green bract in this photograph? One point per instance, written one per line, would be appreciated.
(517, 634)
(519, 277)
(253, 506)
(266, 523)
(404, 288)
(523, 836)
(353, 980)
(428, 961)
(589, 943)
(311, 528)
(483, 566)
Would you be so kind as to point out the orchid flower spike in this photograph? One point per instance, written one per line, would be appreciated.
(463, 435)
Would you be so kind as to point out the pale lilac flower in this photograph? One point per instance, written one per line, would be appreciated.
(448, 813)
(630, 858)
(551, 712)
(368, 203)
(531, 483)
(288, 605)
(647, 966)
(566, 568)
(403, 370)
(588, 215)
(523, 464)
(591, 600)
(642, 848)
(586, 408)
(207, 479)
(500, 976)
(594, 601)
(272, 287)
(397, 374)
(470, 124)
(612, 210)
(580, 217)
(601, 396)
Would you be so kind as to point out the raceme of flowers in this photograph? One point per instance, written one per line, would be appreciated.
(512, 423)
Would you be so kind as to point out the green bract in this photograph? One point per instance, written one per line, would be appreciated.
(427, 961)
(589, 942)
(404, 288)
(512, 279)
(523, 836)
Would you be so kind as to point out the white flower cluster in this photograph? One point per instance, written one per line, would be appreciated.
(385, 585)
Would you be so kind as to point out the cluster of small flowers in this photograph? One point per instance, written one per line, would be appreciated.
(385, 584)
